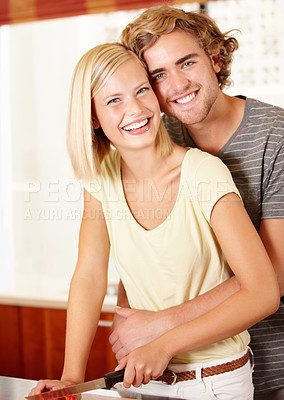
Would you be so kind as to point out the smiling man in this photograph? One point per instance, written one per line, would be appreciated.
(188, 60)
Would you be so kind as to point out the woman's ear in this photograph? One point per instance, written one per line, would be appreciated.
(96, 123)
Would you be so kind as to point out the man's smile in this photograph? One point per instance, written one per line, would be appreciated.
(185, 98)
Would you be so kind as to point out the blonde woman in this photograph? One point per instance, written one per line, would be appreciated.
(172, 217)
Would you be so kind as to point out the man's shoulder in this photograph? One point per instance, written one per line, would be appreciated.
(167, 119)
(261, 122)
(177, 131)
(262, 109)
(172, 124)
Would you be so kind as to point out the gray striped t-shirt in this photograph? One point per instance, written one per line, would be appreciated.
(255, 156)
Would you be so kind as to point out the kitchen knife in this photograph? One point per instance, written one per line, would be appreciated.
(108, 381)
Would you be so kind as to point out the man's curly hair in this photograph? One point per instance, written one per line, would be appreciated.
(146, 29)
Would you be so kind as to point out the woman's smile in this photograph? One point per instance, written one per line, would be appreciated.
(137, 127)
(127, 108)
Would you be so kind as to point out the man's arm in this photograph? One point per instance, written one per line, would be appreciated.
(271, 232)
(135, 328)
(257, 297)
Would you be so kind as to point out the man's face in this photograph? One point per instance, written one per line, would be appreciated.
(183, 76)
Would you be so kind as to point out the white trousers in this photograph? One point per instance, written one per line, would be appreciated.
(234, 385)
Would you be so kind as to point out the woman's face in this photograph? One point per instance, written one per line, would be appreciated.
(127, 109)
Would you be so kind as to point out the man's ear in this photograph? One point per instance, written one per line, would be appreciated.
(96, 123)
(216, 62)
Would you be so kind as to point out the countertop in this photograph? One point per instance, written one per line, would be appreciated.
(13, 388)
(36, 291)
(16, 389)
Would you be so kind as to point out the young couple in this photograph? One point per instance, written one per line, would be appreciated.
(197, 273)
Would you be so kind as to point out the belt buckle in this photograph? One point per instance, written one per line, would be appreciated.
(174, 377)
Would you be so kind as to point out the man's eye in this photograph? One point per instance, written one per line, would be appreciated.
(188, 64)
(158, 76)
(113, 100)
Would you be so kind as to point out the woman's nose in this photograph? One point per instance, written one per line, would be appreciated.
(134, 107)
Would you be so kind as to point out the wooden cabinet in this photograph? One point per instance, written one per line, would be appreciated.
(32, 344)
(10, 348)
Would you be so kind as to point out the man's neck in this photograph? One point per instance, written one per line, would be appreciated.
(220, 124)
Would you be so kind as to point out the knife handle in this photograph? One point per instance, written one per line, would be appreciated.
(114, 377)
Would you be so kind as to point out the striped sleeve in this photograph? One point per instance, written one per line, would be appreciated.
(273, 198)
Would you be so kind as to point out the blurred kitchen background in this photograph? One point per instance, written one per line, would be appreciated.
(41, 202)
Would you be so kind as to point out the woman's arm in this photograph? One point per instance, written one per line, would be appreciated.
(258, 297)
(87, 291)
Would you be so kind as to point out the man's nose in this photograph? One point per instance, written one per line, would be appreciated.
(179, 80)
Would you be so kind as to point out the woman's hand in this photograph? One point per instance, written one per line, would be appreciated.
(143, 364)
(46, 385)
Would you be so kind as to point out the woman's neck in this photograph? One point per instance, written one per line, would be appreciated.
(143, 164)
(151, 182)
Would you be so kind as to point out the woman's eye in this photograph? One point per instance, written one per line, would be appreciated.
(142, 90)
(113, 100)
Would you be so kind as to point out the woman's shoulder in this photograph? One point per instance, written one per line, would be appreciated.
(200, 167)
(195, 158)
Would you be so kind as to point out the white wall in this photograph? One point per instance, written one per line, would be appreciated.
(47, 201)
(6, 230)
(257, 69)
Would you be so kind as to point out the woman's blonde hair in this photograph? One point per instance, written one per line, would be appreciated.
(146, 29)
(87, 146)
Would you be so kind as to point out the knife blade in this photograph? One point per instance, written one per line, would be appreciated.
(108, 381)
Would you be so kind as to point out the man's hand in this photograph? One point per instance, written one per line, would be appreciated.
(133, 329)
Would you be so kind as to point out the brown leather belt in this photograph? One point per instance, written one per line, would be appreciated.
(171, 377)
